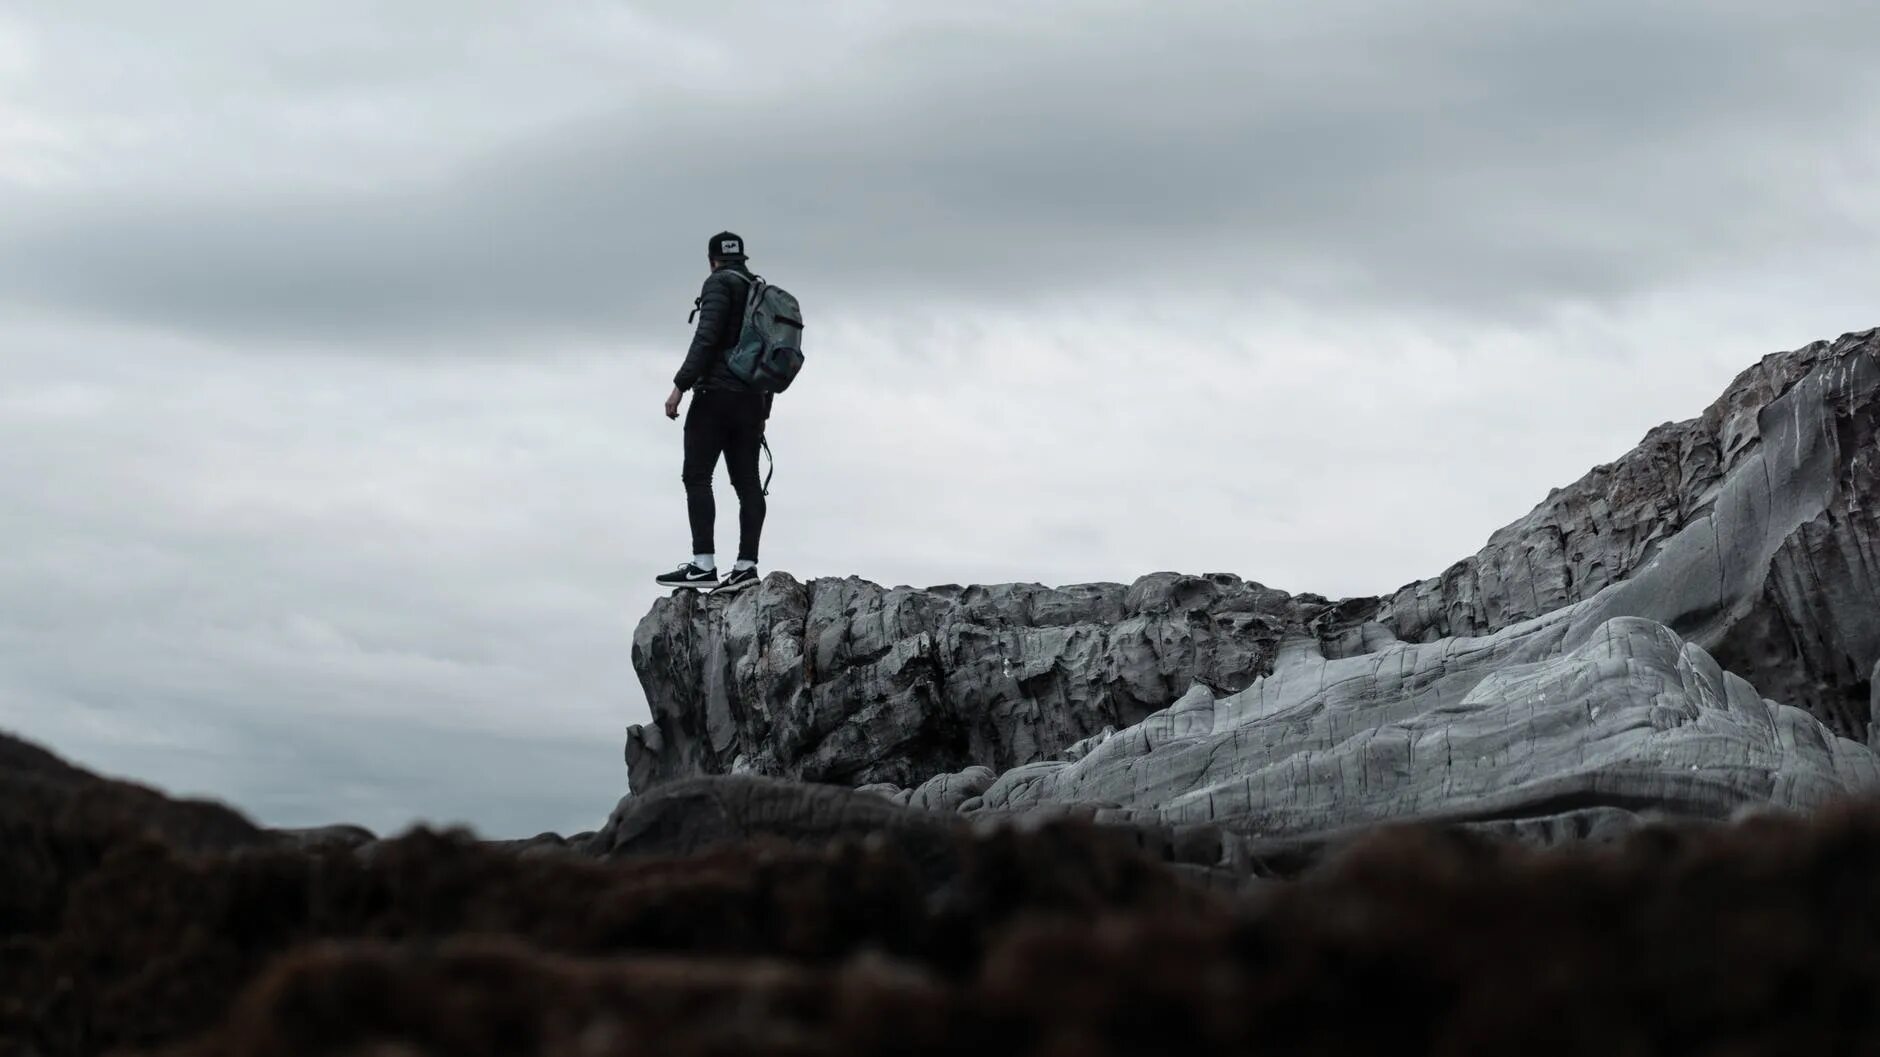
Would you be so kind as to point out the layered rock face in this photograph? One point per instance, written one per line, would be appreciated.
(1620, 649)
(843, 681)
(1759, 515)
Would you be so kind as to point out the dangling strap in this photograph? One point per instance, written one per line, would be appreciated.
(765, 441)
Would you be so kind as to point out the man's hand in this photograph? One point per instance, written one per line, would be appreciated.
(672, 403)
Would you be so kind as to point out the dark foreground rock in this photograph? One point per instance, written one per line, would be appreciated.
(943, 938)
(144, 942)
(58, 822)
(1690, 630)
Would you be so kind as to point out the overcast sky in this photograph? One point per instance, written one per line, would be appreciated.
(332, 471)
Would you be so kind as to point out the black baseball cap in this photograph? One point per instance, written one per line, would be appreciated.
(725, 246)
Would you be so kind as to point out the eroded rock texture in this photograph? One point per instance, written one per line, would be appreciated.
(1618, 650)
(1510, 732)
(1761, 513)
(844, 681)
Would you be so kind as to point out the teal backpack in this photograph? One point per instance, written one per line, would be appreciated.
(769, 352)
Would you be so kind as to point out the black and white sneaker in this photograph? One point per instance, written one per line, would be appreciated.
(737, 581)
(689, 575)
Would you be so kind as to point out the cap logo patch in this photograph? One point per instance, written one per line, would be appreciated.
(730, 246)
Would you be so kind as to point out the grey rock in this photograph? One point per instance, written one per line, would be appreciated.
(1749, 530)
(843, 681)
(1873, 707)
(1083, 748)
(1505, 728)
(1567, 680)
(887, 791)
(946, 792)
(695, 814)
(542, 845)
(334, 836)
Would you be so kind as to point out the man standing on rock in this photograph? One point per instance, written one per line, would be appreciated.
(727, 417)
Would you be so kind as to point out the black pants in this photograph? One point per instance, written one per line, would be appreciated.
(731, 424)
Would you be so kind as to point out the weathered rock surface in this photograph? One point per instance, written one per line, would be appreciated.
(842, 681)
(1613, 652)
(1759, 516)
(1482, 731)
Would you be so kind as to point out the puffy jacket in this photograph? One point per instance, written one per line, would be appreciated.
(720, 320)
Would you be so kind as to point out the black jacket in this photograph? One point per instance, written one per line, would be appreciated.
(720, 319)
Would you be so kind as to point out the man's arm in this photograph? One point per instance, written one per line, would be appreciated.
(718, 309)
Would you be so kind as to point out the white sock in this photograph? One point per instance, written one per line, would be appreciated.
(705, 562)
(743, 565)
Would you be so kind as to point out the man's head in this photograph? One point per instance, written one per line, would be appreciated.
(725, 248)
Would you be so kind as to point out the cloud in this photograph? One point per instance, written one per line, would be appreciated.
(1467, 159)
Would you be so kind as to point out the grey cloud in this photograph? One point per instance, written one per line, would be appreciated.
(1468, 161)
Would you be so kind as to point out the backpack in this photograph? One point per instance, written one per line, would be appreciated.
(769, 352)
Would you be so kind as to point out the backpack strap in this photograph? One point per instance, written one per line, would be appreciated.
(752, 283)
(765, 441)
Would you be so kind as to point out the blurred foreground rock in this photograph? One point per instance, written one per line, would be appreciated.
(722, 916)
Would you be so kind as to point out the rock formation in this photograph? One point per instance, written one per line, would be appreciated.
(1751, 530)
(1620, 650)
(842, 681)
